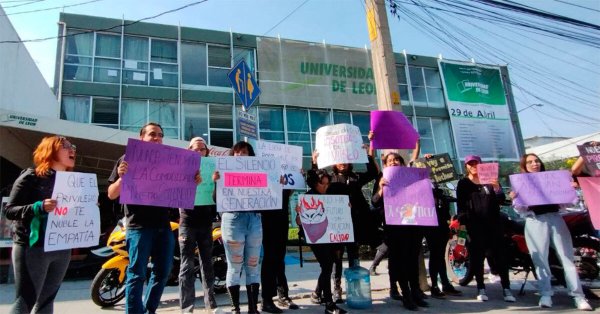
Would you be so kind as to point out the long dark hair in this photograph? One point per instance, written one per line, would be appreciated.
(241, 145)
(523, 163)
(315, 176)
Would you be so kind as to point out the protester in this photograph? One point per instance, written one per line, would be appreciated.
(275, 225)
(479, 209)
(38, 274)
(195, 230)
(404, 243)
(545, 227)
(326, 253)
(149, 236)
(580, 168)
(242, 236)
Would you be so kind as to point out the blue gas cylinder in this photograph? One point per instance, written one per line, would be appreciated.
(358, 287)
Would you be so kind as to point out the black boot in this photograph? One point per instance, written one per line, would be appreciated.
(408, 302)
(331, 308)
(337, 291)
(234, 296)
(394, 293)
(417, 297)
(252, 291)
(268, 306)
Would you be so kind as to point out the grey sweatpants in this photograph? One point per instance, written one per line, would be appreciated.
(38, 276)
(542, 231)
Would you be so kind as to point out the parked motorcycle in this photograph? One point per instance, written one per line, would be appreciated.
(108, 287)
(586, 245)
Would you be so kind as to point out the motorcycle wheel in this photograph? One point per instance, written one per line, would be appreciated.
(458, 271)
(106, 290)
(220, 268)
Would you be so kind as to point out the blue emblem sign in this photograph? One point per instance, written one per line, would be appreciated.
(243, 82)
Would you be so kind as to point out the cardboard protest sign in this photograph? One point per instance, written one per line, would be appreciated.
(291, 161)
(591, 157)
(591, 195)
(339, 144)
(248, 184)
(408, 197)
(75, 222)
(326, 218)
(539, 188)
(392, 130)
(441, 168)
(205, 189)
(159, 175)
(487, 172)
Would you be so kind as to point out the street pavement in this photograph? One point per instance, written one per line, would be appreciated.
(74, 296)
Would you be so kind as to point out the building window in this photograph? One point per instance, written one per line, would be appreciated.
(221, 124)
(167, 115)
(219, 64)
(435, 136)
(271, 124)
(75, 109)
(135, 63)
(298, 132)
(426, 87)
(195, 121)
(134, 114)
(163, 63)
(245, 54)
(341, 117)
(105, 112)
(402, 83)
(363, 121)
(318, 119)
(193, 65)
(78, 56)
(107, 64)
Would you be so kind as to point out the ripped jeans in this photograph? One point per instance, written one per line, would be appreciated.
(242, 239)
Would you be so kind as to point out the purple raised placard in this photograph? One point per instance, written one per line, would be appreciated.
(159, 175)
(392, 130)
(408, 197)
(539, 188)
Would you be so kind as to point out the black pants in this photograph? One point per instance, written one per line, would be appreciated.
(326, 255)
(404, 243)
(437, 238)
(487, 241)
(275, 234)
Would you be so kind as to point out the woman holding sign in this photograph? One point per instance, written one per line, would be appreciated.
(544, 227)
(38, 274)
(242, 239)
(479, 209)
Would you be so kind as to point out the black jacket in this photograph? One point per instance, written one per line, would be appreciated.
(478, 204)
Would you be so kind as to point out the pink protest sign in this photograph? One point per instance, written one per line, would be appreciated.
(487, 172)
(159, 175)
(409, 197)
(245, 179)
(539, 188)
(392, 130)
(591, 195)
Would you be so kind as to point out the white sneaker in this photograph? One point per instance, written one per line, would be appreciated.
(545, 301)
(582, 304)
(217, 310)
(508, 297)
(481, 296)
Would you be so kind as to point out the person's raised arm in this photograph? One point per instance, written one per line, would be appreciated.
(114, 189)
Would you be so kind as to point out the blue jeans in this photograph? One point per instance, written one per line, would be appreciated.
(242, 239)
(157, 244)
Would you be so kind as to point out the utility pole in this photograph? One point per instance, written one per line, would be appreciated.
(382, 55)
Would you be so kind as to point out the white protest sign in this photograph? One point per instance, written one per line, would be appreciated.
(340, 144)
(75, 222)
(291, 161)
(326, 218)
(248, 184)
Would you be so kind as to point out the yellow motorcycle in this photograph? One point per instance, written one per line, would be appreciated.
(108, 287)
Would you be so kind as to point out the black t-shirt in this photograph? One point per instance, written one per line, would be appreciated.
(142, 216)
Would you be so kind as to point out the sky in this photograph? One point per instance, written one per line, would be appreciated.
(561, 75)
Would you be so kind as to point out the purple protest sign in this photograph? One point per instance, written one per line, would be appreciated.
(408, 197)
(591, 157)
(539, 188)
(392, 130)
(487, 172)
(159, 175)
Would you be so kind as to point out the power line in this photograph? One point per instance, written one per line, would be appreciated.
(578, 5)
(286, 17)
(52, 8)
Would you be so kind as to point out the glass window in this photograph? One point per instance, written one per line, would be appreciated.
(221, 138)
(79, 53)
(219, 56)
(221, 117)
(341, 117)
(297, 120)
(107, 70)
(270, 121)
(135, 48)
(435, 97)
(105, 111)
(135, 65)
(245, 54)
(195, 121)
(193, 64)
(416, 76)
(432, 77)
(442, 136)
(108, 45)
(134, 114)
(163, 51)
(75, 109)
(319, 119)
(401, 75)
(363, 121)
(218, 77)
(165, 114)
(403, 89)
(419, 96)
(163, 75)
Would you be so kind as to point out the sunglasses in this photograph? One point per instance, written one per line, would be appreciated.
(67, 145)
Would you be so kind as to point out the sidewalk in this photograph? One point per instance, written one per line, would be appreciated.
(74, 296)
